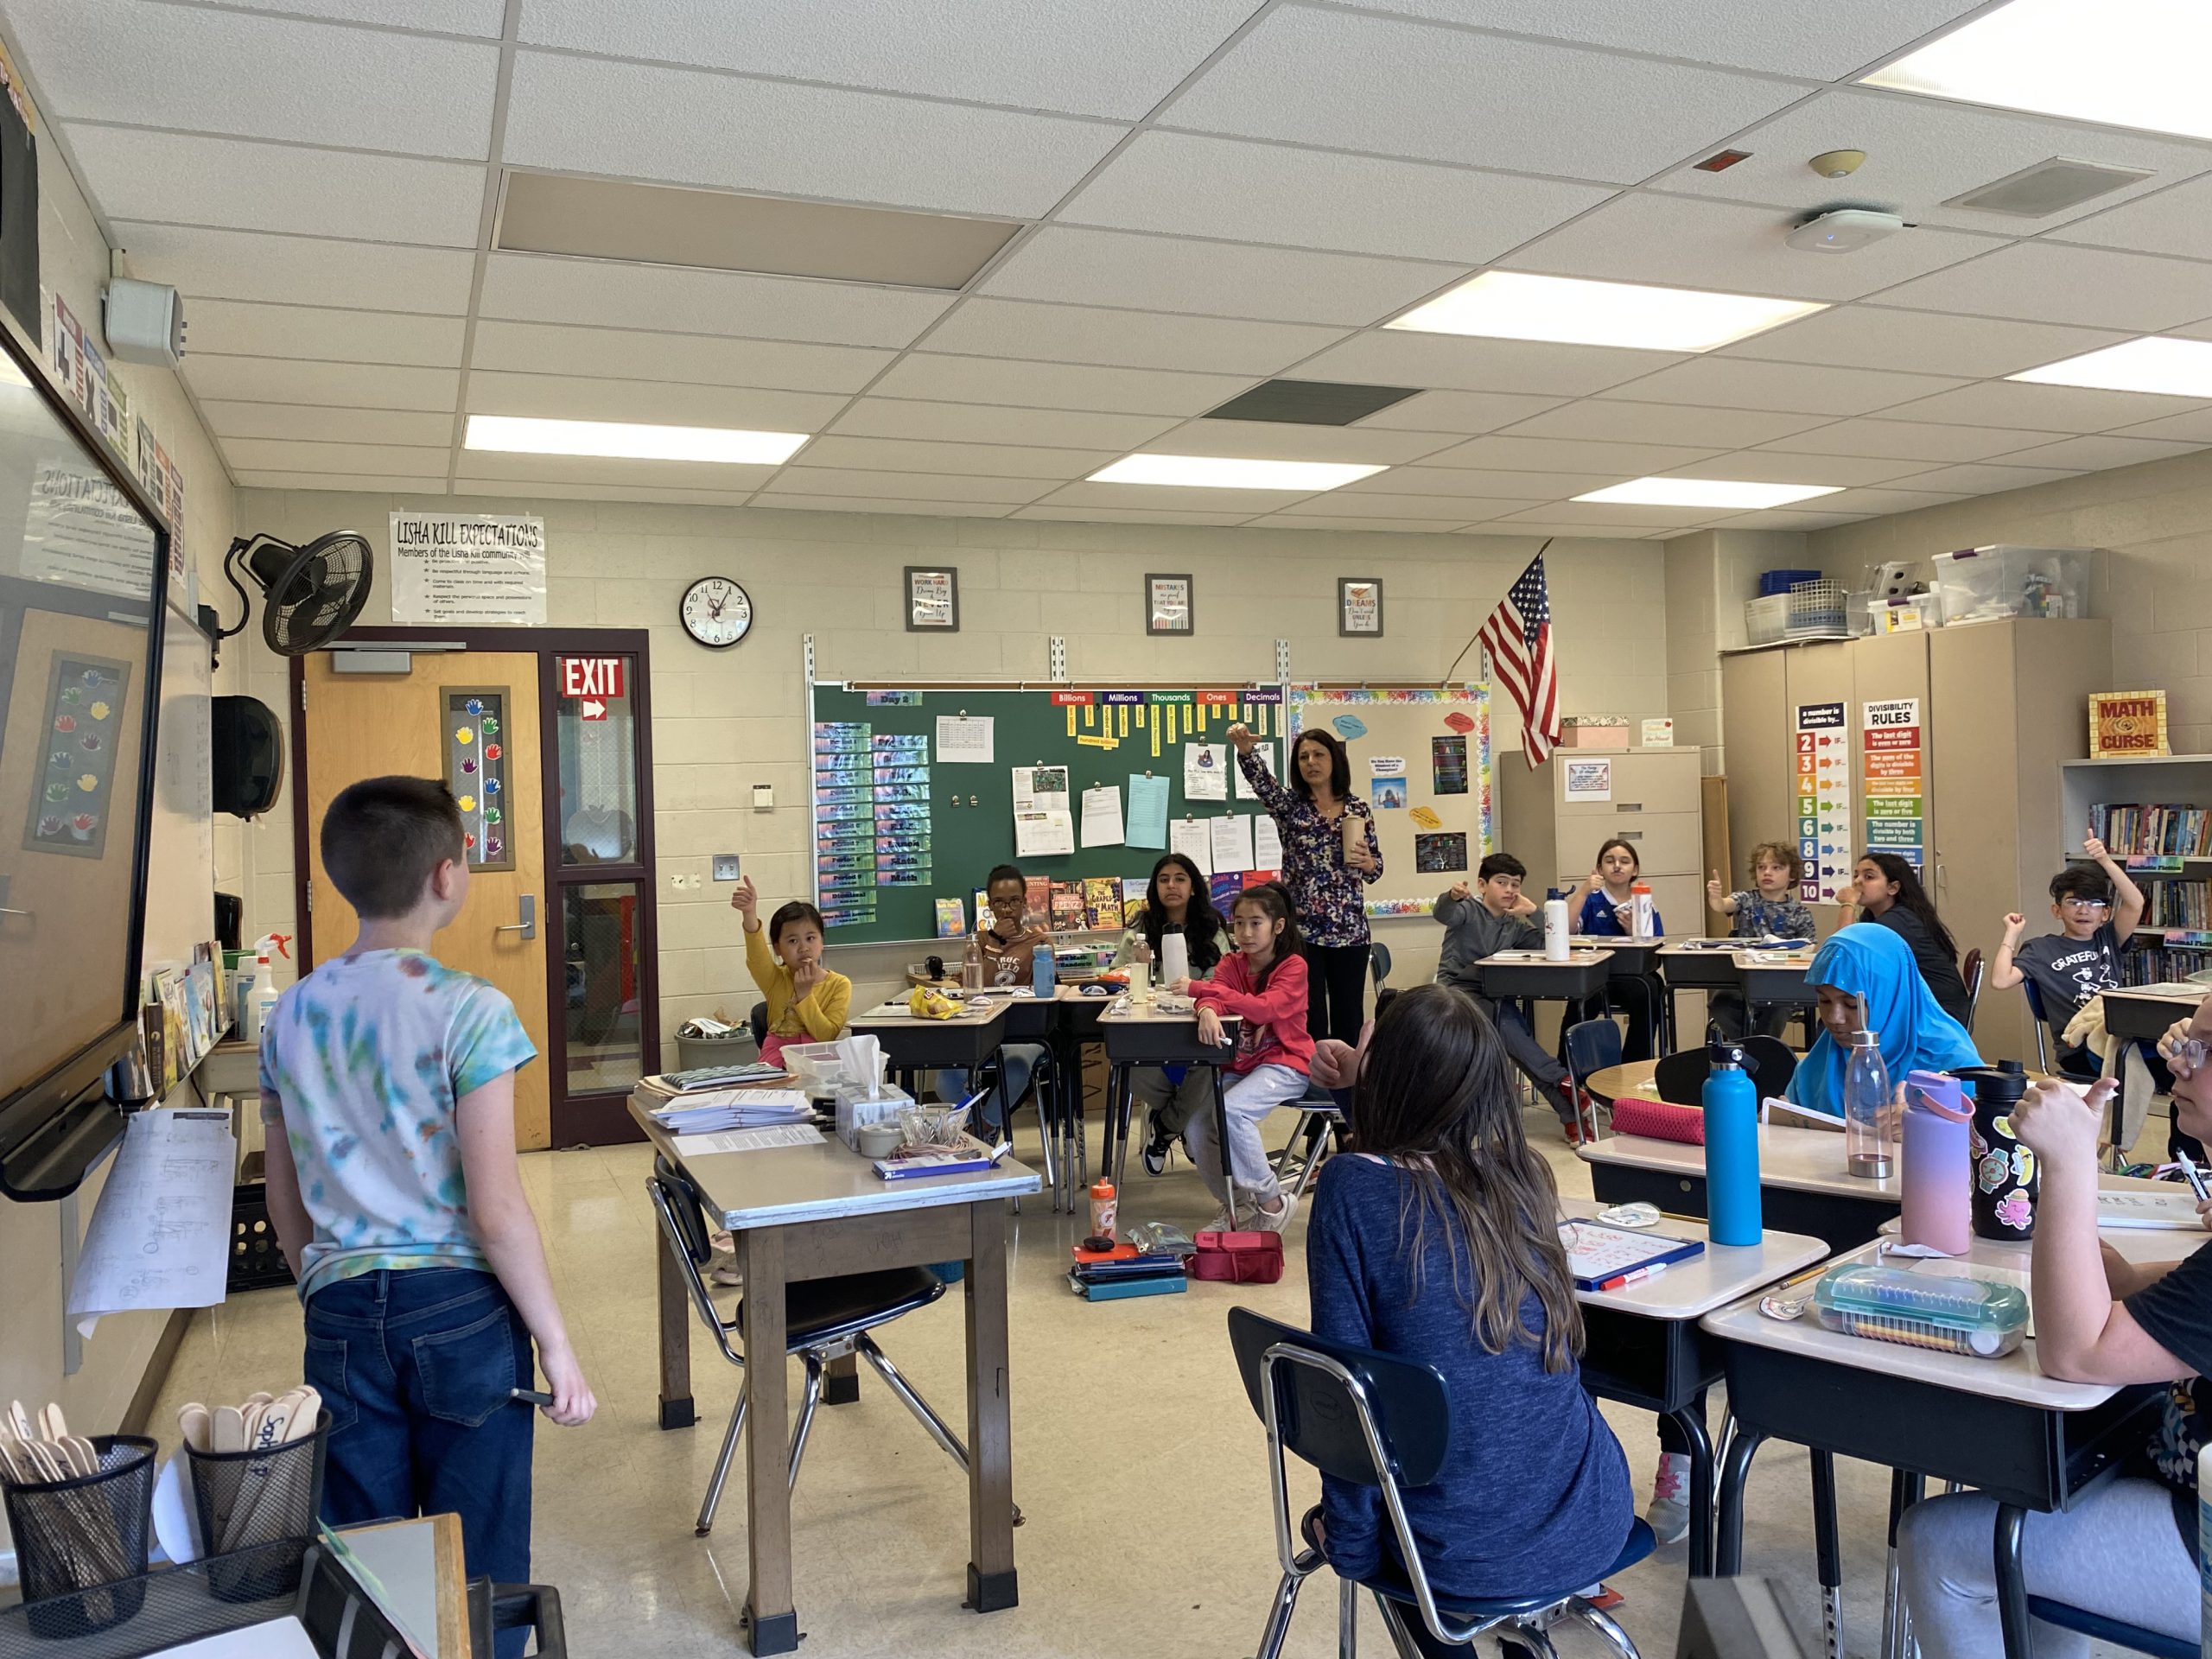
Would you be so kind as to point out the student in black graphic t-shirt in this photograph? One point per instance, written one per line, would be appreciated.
(2128, 1548)
(2095, 910)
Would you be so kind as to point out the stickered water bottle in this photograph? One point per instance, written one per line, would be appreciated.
(2005, 1179)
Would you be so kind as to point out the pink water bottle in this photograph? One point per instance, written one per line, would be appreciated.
(1938, 1177)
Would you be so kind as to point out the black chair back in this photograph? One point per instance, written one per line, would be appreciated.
(1378, 960)
(757, 1017)
(1680, 1079)
(1317, 1415)
(1592, 1046)
(686, 1209)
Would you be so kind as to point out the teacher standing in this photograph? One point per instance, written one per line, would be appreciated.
(1325, 869)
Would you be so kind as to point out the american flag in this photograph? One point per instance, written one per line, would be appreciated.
(1518, 636)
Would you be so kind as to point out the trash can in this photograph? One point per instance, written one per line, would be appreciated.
(696, 1054)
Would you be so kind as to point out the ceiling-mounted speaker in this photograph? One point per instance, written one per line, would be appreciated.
(248, 756)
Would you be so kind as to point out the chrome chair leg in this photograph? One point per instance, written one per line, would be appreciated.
(1278, 1612)
(1604, 1623)
(722, 1463)
(1396, 1620)
(1320, 1149)
(808, 1400)
(923, 1412)
(1538, 1640)
(1347, 1619)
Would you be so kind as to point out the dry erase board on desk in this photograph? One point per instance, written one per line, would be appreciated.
(1421, 758)
(180, 861)
(908, 812)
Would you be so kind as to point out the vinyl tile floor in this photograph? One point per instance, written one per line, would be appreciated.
(1140, 1467)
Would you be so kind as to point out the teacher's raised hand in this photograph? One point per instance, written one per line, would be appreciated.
(1241, 738)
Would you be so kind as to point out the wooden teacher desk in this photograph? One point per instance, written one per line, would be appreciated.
(810, 1212)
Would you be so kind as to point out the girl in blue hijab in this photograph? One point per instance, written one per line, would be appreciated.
(1868, 982)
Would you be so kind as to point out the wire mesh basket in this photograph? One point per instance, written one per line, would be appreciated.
(1817, 607)
(80, 1543)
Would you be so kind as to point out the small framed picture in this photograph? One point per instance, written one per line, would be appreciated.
(1167, 604)
(932, 600)
(1359, 606)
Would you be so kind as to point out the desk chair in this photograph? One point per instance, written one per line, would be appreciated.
(1592, 1047)
(1378, 962)
(825, 1320)
(1680, 1079)
(2042, 1024)
(1378, 1420)
(757, 1017)
(2098, 1628)
(1971, 970)
(1317, 1111)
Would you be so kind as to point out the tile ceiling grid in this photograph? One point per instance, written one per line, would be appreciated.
(1216, 191)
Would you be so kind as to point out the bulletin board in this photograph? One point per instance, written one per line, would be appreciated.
(897, 827)
(1420, 757)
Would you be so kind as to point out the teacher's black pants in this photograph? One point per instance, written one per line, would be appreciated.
(1336, 991)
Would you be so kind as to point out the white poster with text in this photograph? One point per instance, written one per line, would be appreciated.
(467, 569)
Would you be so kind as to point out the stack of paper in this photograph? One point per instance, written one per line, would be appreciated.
(671, 1084)
(736, 1109)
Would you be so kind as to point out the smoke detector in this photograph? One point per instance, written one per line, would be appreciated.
(1838, 163)
(1844, 230)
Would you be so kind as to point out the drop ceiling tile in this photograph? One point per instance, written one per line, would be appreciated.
(896, 417)
(1741, 383)
(1396, 357)
(653, 403)
(1057, 385)
(2048, 282)
(1222, 279)
(479, 18)
(242, 265)
(981, 326)
(204, 70)
(340, 483)
(1643, 238)
(1482, 487)
(1619, 423)
(1126, 516)
(1786, 519)
(1408, 89)
(1980, 478)
(1194, 185)
(974, 460)
(1872, 337)
(1926, 442)
(1293, 519)
(2177, 221)
(1527, 531)
(1746, 33)
(1466, 412)
(1921, 152)
(546, 490)
(1047, 54)
(1773, 467)
(534, 287)
(281, 380)
(2194, 427)
(298, 421)
(911, 508)
(686, 127)
(1158, 497)
(1610, 513)
(284, 455)
(471, 465)
(1284, 440)
(633, 354)
(2096, 455)
(2050, 409)
(914, 486)
(1881, 501)
(234, 328)
(1452, 510)
(1616, 461)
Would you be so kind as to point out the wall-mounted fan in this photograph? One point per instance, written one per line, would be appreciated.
(311, 594)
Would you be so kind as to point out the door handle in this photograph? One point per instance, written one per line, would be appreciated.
(528, 926)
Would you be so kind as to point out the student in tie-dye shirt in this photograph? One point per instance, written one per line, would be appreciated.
(387, 1085)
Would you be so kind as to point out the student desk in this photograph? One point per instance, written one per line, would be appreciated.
(1527, 973)
(1764, 979)
(809, 1212)
(1634, 961)
(1149, 1034)
(2028, 1440)
(1802, 1179)
(2140, 1014)
(913, 1044)
(1644, 1346)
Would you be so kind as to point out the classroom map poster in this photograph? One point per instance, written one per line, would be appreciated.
(1891, 783)
(469, 570)
(1823, 777)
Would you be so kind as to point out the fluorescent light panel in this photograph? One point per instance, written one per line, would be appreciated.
(1511, 305)
(522, 434)
(1705, 492)
(1230, 473)
(2177, 368)
(2125, 63)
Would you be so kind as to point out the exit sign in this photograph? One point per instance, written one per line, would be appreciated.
(593, 681)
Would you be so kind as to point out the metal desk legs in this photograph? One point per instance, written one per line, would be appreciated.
(2012, 1582)
(1828, 1551)
(1690, 1421)
(1896, 1617)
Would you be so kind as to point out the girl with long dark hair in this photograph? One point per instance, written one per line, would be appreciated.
(1438, 1240)
(1176, 902)
(1888, 891)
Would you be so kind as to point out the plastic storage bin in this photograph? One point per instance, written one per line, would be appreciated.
(1979, 584)
(1766, 622)
(1781, 582)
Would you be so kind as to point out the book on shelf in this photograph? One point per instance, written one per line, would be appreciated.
(2161, 829)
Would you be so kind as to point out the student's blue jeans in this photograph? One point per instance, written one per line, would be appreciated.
(414, 1368)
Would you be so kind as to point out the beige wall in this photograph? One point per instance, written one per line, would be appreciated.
(74, 262)
(1709, 576)
(725, 720)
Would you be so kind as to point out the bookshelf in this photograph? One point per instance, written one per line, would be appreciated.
(2169, 854)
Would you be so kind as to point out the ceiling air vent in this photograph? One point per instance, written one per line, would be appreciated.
(1310, 403)
(2039, 191)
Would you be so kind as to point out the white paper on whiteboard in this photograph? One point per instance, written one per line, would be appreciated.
(1191, 838)
(964, 739)
(1205, 772)
(1266, 844)
(161, 1233)
(1102, 816)
(1232, 846)
(1043, 835)
(1265, 753)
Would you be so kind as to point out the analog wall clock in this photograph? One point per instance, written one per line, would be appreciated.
(716, 612)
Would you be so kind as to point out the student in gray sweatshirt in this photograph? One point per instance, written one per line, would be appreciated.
(1479, 922)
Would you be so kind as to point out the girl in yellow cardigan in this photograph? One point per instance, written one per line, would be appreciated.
(807, 1002)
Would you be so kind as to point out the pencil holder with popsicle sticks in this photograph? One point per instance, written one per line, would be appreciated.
(80, 1541)
(269, 1493)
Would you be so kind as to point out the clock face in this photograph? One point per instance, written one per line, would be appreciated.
(716, 612)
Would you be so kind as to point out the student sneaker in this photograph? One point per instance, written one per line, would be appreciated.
(728, 1277)
(1157, 1150)
(1264, 1220)
(1669, 1514)
(1225, 1221)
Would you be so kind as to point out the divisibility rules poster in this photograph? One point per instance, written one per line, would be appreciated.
(1823, 780)
(1891, 784)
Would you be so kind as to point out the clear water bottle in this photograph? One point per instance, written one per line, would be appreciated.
(971, 965)
(1867, 1152)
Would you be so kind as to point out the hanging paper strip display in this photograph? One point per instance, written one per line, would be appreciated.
(474, 743)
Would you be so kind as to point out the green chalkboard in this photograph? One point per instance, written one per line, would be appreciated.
(933, 831)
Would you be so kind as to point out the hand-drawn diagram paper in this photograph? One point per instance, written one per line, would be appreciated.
(161, 1233)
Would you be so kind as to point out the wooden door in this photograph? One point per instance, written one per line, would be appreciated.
(370, 725)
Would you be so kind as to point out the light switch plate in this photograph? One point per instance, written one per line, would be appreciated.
(726, 866)
(764, 797)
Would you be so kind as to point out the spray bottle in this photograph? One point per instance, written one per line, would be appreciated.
(257, 991)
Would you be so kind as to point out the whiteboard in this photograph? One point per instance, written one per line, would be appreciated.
(181, 867)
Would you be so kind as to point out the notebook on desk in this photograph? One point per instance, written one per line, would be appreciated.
(2174, 1212)
(1605, 1258)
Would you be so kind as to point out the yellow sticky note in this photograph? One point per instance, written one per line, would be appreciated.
(1156, 741)
(1070, 720)
(1089, 718)
(1125, 720)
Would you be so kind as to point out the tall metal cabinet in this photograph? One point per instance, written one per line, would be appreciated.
(2001, 705)
(1652, 803)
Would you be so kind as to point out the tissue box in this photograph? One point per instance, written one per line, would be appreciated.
(857, 1108)
(1593, 732)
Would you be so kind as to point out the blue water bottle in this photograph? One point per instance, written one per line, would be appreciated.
(1044, 971)
(1731, 1148)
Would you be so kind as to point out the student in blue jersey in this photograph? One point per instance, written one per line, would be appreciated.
(1437, 1241)
(1608, 911)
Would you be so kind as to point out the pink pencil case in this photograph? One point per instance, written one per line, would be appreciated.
(1632, 1115)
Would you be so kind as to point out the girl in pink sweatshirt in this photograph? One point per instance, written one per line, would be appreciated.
(1263, 982)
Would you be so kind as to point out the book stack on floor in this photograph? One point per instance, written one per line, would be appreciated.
(1106, 1276)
